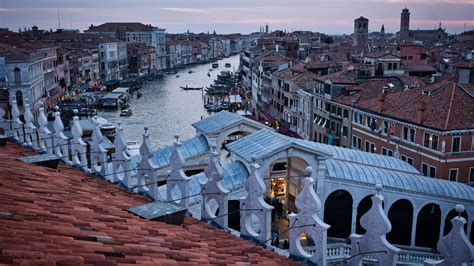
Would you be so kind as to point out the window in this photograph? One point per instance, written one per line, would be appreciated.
(19, 98)
(453, 174)
(430, 141)
(387, 152)
(345, 113)
(407, 159)
(356, 142)
(394, 66)
(471, 175)
(409, 134)
(410, 57)
(428, 170)
(369, 147)
(344, 131)
(456, 144)
(389, 66)
(17, 75)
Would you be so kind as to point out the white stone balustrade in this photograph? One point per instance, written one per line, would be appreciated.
(307, 222)
(374, 243)
(45, 136)
(455, 247)
(147, 170)
(254, 209)
(98, 154)
(17, 125)
(177, 184)
(31, 139)
(214, 191)
(78, 146)
(60, 141)
(121, 162)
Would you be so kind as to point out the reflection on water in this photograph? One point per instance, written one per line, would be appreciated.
(166, 109)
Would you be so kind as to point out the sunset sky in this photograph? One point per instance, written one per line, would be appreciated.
(225, 16)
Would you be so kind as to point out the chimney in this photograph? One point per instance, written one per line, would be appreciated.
(420, 112)
(381, 102)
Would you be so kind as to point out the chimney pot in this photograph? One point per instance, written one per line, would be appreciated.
(420, 112)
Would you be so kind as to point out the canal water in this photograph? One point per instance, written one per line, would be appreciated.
(166, 109)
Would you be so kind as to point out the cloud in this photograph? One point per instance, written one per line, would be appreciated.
(185, 10)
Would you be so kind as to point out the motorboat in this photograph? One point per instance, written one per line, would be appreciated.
(139, 94)
(227, 65)
(177, 76)
(215, 65)
(126, 112)
(187, 88)
(171, 72)
(190, 71)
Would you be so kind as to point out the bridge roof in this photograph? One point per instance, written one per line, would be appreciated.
(353, 165)
(221, 121)
(189, 148)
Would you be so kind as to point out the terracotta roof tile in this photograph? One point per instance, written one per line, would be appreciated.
(53, 217)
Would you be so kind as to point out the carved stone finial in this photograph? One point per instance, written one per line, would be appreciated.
(254, 158)
(56, 108)
(378, 188)
(146, 130)
(459, 209)
(308, 171)
(76, 112)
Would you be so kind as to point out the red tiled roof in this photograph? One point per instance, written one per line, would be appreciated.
(448, 107)
(342, 77)
(420, 68)
(113, 26)
(49, 217)
(469, 65)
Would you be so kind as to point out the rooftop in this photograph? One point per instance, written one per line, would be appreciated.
(65, 216)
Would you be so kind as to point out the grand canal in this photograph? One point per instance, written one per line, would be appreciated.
(166, 109)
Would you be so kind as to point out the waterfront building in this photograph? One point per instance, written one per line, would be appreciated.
(428, 126)
(113, 60)
(381, 64)
(135, 32)
(141, 59)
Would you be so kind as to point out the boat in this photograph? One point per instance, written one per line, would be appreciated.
(171, 72)
(139, 94)
(191, 88)
(133, 148)
(126, 112)
(209, 74)
(124, 106)
(177, 76)
(149, 79)
(190, 71)
(215, 65)
(227, 65)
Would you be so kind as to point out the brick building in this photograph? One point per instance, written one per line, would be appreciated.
(430, 127)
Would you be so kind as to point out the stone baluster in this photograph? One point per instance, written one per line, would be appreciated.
(98, 154)
(254, 207)
(30, 129)
(3, 122)
(374, 241)
(307, 222)
(45, 137)
(147, 170)
(60, 141)
(121, 162)
(78, 146)
(214, 189)
(17, 124)
(455, 247)
(177, 184)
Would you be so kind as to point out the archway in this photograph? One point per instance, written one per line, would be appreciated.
(400, 215)
(363, 207)
(428, 225)
(338, 213)
(447, 222)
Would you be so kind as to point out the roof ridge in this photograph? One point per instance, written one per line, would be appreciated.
(450, 105)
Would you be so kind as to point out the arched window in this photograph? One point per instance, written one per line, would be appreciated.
(428, 224)
(338, 213)
(17, 75)
(447, 223)
(19, 98)
(400, 215)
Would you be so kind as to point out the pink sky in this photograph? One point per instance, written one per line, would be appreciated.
(244, 16)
